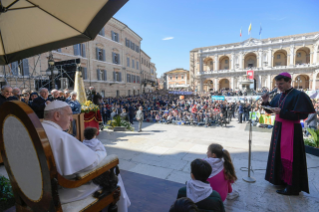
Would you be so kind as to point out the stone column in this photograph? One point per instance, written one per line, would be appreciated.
(259, 83)
(232, 61)
(269, 58)
(201, 84)
(314, 75)
(269, 83)
(241, 61)
(315, 54)
(232, 82)
(201, 64)
(216, 63)
(167, 82)
(291, 56)
(260, 56)
(216, 84)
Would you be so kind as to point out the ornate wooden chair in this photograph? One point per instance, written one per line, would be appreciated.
(31, 167)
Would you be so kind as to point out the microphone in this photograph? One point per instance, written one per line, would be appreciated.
(273, 91)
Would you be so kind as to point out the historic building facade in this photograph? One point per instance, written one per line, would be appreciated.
(177, 79)
(113, 63)
(223, 66)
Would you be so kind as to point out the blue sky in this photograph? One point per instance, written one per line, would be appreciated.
(190, 24)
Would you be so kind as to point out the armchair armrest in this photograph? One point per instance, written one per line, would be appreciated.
(106, 164)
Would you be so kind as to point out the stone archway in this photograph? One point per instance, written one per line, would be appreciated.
(302, 56)
(208, 85)
(301, 81)
(280, 58)
(224, 63)
(224, 84)
(250, 60)
(208, 64)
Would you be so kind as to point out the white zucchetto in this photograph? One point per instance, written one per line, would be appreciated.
(55, 105)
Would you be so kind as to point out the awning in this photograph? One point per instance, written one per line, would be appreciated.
(32, 27)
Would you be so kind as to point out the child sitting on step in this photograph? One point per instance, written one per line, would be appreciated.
(93, 143)
(199, 190)
(223, 172)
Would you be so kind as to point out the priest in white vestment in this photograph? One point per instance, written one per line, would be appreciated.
(71, 155)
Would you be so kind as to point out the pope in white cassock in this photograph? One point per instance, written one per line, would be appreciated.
(72, 156)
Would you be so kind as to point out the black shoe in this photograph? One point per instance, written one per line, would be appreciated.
(288, 191)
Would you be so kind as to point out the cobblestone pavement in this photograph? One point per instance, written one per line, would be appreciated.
(165, 151)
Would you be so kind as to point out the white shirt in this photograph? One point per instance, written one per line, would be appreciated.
(71, 157)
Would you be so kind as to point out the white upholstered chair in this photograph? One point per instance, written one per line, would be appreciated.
(30, 164)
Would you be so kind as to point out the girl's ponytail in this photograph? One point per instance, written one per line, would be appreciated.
(229, 169)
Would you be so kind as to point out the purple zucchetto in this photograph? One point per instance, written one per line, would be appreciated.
(285, 74)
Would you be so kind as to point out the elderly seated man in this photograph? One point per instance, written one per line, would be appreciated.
(71, 156)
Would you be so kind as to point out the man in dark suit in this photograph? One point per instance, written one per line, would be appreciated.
(15, 94)
(131, 113)
(39, 103)
(6, 92)
(240, 112)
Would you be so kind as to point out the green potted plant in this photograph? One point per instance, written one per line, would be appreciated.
(312, 143)
(119, 124)
(6, 196)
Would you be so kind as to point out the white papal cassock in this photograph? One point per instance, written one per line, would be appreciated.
(71, 157)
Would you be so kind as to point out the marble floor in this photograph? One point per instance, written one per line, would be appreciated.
(165, 152)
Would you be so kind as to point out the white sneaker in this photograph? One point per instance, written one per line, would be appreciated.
(234, 194)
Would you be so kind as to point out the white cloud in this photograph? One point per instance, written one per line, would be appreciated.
(168, 38)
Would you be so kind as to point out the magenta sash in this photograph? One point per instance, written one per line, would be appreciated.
(286, 148)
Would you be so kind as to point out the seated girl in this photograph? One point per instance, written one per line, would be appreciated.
(223, 172)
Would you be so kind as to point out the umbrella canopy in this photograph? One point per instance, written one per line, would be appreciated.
(30, 27)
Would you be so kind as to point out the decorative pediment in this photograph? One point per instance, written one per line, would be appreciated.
(252, 42)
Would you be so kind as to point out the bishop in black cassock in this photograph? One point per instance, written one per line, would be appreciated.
(287, 163)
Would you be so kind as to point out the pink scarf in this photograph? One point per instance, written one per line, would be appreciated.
(286, 148)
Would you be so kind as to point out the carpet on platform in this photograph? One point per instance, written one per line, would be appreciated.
(149, 193)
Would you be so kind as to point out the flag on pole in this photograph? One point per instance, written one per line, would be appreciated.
(249, 29)
(260, 30)
(240, 32)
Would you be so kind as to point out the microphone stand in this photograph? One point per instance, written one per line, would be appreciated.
(250, 179)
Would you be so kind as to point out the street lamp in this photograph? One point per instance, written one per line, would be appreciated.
(52, 70)
(298, 80)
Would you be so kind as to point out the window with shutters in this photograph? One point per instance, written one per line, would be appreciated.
(128, 78)
(138, 79)
(58, 50)
(104, 75)
(100, 54)
(298, 54)
(278, 56)
(79, 49)
(101, 75)
(137, 49)
(128, 62)
(137, 65)
(117, 93)
(129, 92)
(84, 73)
(127, 42)
(103, 93)
(102, 32)
(98, 74)
(15, 68)
(133, 63)
(25, 67)
(115, 36)
(116, 58)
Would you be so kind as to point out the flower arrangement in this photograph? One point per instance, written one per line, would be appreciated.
(88, 106)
